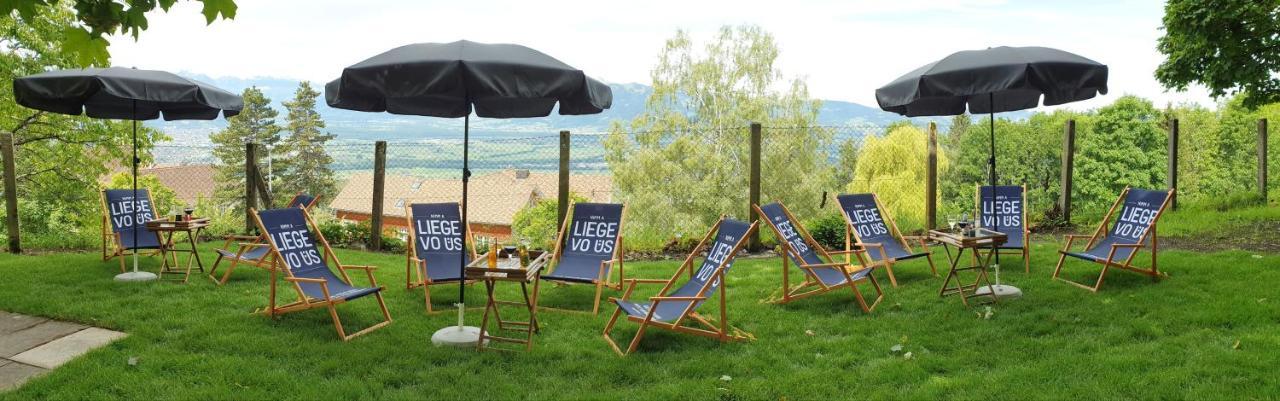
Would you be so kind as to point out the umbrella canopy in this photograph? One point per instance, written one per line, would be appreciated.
(1013, 78)
(994, 80)
(450, 79)
(453, 79)
(124, 94)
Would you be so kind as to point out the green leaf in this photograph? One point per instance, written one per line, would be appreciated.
(84, 48)
(213, 8)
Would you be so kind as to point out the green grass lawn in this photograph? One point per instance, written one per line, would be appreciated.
(1209, 331)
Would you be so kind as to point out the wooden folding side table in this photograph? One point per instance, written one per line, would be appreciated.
(974, 240)
(166, 229)
(509, 270)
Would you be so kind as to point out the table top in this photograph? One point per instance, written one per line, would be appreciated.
(974, 238)
(170, 225)
(508, 268)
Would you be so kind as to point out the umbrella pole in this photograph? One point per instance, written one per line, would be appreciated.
(995, 216)
(136, 275)
(462, 336)
(466, 176)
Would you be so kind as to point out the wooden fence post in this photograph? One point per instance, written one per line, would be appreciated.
(562, 195)
(250, 187)
(1262, 159)
(11, 193)
(1173, 162)
(1068, 164)
(379, 187)
(753, 192)
(931, 180)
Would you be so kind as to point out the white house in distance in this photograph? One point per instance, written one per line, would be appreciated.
(494, 197)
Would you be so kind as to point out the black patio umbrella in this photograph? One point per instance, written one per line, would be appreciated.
(453, 79)
(994, 80)
(125, 94)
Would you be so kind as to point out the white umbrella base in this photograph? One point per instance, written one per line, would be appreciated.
(457, 336)
(1002, 291)
(136, 276)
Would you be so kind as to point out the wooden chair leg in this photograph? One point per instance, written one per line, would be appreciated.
(227, 275)
(123, 269)
(862, 303)
(337, 322)
(1062, 257)
(595, 308)
(1026, 259)
(888, 267)
(426, 290)
(635, 341)
(609, 328)
(1101, 276)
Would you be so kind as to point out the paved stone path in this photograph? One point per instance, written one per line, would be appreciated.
(31, 345)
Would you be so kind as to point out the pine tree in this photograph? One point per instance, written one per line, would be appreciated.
(256, 124)
(308, 170)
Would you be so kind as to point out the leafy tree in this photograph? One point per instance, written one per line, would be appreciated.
(1027, 153)
(1122, 145)
(308, 163)
(1201, 173)
(255, 124)
(538, 224)
(84, 43)
(846, 162)
(893, 167)
(59, 158)
(683, 161)
(1229, 46)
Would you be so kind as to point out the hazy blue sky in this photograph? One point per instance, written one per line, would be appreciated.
(843, 48)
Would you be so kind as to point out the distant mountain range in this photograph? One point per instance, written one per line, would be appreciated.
(628, 101)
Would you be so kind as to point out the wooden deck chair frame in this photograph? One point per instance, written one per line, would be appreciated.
(1026, 230)
(411, 258)
(619, 255)
(812, 285)
(246, 243)
(305, 302)
(720, 332)
(851, 239)
(1127, 263)
(113, 246)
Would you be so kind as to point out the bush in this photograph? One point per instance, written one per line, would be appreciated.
(828, 230)
(538, 224)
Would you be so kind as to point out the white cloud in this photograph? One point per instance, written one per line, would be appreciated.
(845, 49)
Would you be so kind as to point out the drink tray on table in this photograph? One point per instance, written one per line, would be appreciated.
(508, 267)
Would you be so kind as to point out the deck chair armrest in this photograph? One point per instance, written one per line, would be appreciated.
(631, 284)
(868, 244)
(819, 265)
(851, 252)
(358, 267)
(1072, 238)
(305, 280)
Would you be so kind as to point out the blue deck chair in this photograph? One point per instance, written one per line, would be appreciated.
(588, 246)
(1012, 209)
(301, 250)
(1134, 229)
(121, 216)
(439, 240)
(250, 249)
(870, 229)
(674, 306)
(821, 271)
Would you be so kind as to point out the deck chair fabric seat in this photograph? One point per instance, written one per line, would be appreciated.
(1008, 203)
(303, 253)
(123, 217)
(1131, 229)
(589, 247)
(877, 234)
(674, 306)
(248, 254)
(440, 246)
(813, 260)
